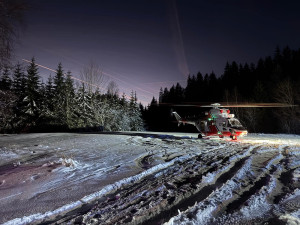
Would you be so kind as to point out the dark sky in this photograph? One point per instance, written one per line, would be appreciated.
(147, 44)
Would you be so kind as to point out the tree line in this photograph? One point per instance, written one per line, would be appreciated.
(274, 79)
(27, 104)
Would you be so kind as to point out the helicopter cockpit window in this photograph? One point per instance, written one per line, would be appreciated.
(234, 122)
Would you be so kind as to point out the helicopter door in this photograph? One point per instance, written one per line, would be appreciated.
(222, 124)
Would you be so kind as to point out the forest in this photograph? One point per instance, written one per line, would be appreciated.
(273, 79)
(29, 105)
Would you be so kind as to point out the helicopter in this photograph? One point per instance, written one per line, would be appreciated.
(218, 121)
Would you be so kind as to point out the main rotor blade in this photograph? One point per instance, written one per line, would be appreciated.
(233, 105)
(257, 105)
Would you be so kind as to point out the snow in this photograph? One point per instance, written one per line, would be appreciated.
(128, 180)
(258, 205)
(56, 173)
(291, 219)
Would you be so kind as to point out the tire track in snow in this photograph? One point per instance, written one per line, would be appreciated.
(169, 192)
(218, 182)
(201, 195)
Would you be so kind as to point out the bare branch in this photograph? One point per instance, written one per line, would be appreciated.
(112, 89)
(11, 17)
(93, 76)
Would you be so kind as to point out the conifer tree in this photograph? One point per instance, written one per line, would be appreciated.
(5, 81)
(69, 103)
(19, 85)
(58, 80)
(59, 96)
(32, 99)
(161, 95)
(7, 101)
(135, 116)
(123, 101)
(84, 109)
(50, 93)
(44, 109)
(19, 81)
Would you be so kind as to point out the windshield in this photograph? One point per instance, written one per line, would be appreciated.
(234, 122)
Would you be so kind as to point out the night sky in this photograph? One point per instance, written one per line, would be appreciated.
(147, 44)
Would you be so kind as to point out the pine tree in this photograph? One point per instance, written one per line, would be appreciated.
(19, 87)
(161, 95)
(32, 99)
(135, 115)
(123, 101)
(50, 93)
(84, 110)
(45, 114)
(69, 103)
(5, 81)
(7, 102)
(58, 79)
(179, 93)
(47, 119)
(19, 81)
(59, 96)
(191, 90)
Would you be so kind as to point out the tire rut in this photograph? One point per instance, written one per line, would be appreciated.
(198, 196)
(156, 199)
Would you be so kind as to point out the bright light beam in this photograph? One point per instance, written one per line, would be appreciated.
(177, 39)
(74, 78)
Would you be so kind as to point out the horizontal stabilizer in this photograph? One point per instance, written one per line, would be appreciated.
(178, 118)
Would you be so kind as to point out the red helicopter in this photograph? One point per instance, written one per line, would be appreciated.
(219, 122)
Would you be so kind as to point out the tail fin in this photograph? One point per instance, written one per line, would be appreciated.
(178, 118)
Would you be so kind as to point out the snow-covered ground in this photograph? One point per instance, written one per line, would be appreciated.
(149, 178)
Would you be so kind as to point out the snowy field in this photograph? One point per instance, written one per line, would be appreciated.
(149, 178)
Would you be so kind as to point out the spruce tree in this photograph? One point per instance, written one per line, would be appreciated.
(32, 99)
(5, 81)
(135, 115)
(59, 96)
(69, 103)
(58, 80)
(19, 86)
(7, 102)
(123, 101)
(84, 109)
(19, 82)
(47, 107)
(50, 93)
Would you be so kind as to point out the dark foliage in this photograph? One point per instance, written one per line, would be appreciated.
(273, 79)
(28, 105)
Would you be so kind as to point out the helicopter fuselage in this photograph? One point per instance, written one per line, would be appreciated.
(217, 122)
